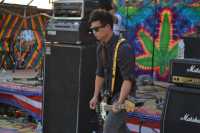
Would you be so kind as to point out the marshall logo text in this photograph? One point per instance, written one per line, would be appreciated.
(192, 69)
(188, 118)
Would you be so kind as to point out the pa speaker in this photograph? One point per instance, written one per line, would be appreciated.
(181, 111)
(191, 47)
(68, 88)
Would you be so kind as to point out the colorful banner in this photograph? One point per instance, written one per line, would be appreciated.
(10, 28)
(170, 3)
(154, 30)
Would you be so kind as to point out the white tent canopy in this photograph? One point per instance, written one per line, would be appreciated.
(44, 4)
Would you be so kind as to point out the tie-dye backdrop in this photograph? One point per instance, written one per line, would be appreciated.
(162, 22)
(149, 21)
(10, 28)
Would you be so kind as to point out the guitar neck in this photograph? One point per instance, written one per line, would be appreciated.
(109, 107)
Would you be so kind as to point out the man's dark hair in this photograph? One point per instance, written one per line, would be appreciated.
(104, 18)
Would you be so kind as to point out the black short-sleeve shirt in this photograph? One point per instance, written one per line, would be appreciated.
(125, 62)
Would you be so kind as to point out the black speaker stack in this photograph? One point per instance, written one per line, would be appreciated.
(68, 88)
(181, 110)
(69, 69)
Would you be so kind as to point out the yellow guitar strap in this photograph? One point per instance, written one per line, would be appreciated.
(114, 64)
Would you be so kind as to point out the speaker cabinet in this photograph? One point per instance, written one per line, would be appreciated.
(68, 88)
(181, 113)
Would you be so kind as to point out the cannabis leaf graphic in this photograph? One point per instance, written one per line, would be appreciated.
(165, 46)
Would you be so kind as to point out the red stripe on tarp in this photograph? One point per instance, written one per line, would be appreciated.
(22, 103)
(136, 122)
(35, 98)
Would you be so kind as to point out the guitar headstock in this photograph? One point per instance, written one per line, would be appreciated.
(129, 106)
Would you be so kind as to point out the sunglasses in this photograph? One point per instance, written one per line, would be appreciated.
(97, 28)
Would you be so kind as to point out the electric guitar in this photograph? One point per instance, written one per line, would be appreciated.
(103, 108)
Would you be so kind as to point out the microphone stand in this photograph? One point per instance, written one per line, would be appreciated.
(127, 2)
(127, 16)
(143, 121)
(197, 28)
(154, 36)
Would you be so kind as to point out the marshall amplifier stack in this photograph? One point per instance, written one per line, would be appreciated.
(185, 72)
(70, 22)
(180, 113)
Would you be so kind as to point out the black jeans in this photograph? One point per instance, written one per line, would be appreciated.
(115, 123)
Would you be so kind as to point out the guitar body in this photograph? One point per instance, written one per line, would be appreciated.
(103, 108)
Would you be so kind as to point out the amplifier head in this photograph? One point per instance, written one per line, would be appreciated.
(72, 32)
(185, 72)
(74, 9)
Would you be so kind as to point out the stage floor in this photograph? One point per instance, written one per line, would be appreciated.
(152, 95)
(24, 77)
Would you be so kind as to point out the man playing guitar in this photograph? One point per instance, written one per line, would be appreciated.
(124, 82)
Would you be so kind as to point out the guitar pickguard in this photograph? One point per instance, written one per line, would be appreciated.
(102, 110)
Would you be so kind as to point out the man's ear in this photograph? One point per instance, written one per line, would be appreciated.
(108, 27)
